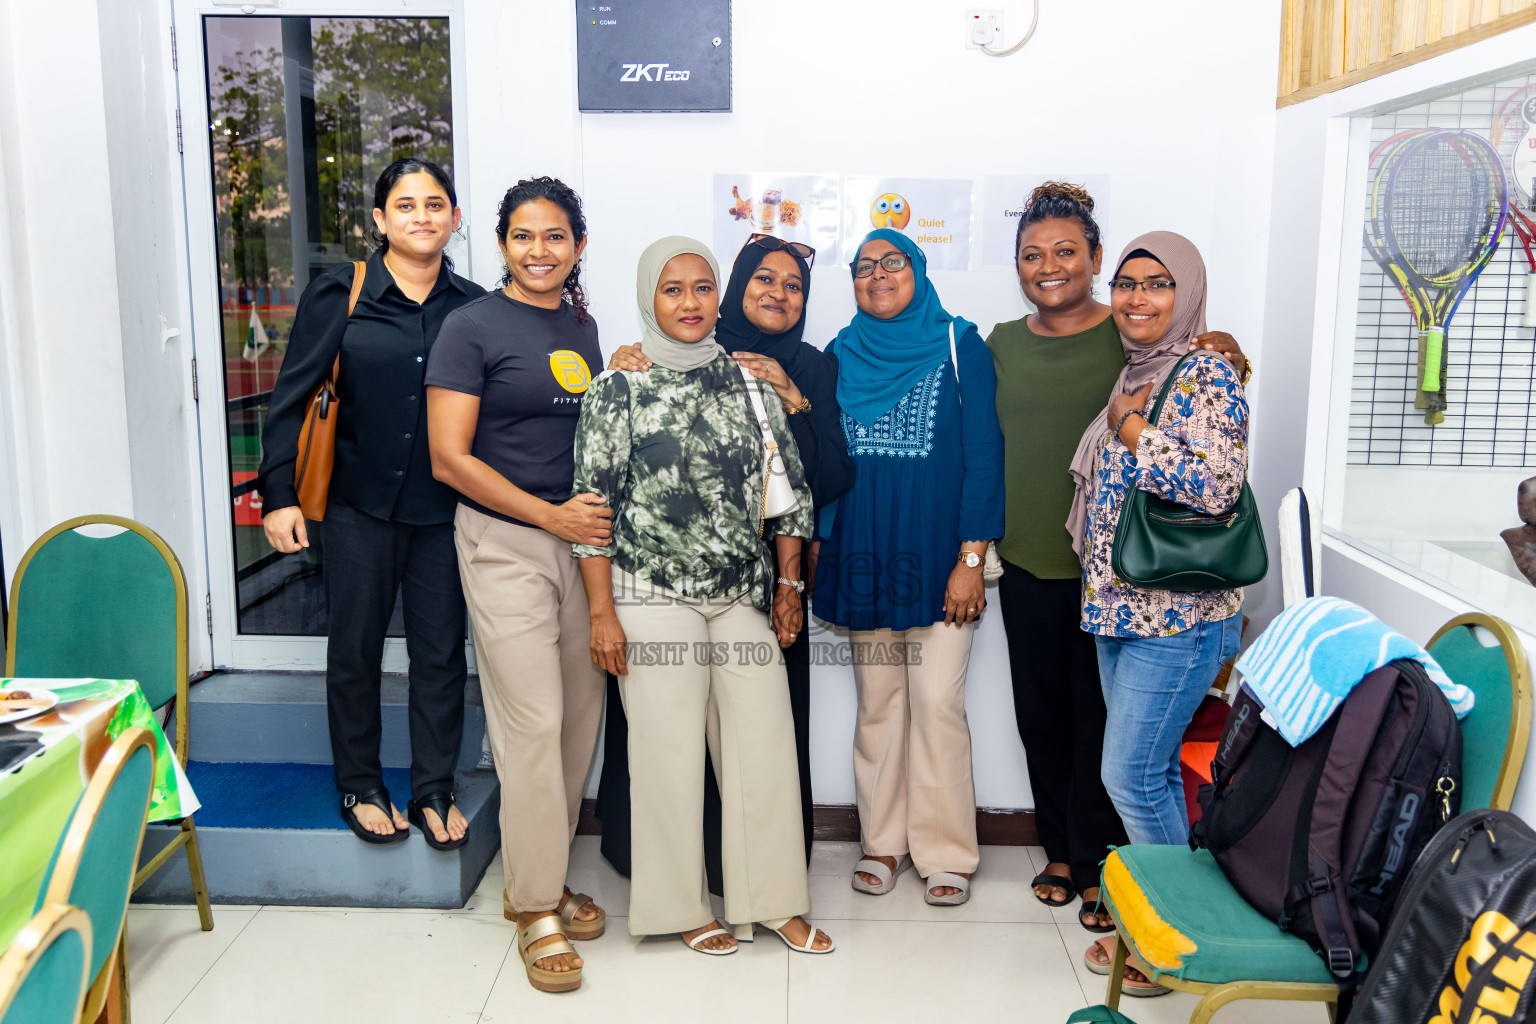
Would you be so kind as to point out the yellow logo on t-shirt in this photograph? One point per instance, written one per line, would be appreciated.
(570, 370)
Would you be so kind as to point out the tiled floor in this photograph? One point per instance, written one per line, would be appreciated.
(1001, 957)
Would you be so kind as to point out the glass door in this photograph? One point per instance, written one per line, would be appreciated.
(297, 116)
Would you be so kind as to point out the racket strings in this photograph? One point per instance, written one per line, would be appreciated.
(1439, 209)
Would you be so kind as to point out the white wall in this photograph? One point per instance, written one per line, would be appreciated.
(1175, 101)
(64, 402)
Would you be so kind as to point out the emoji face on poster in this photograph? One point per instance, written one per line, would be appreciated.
(890, 211)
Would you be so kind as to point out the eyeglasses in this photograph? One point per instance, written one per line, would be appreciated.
(773, 244)
(1125, 286)
(891, 261)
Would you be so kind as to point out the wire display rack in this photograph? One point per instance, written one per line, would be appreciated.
(1490, 384)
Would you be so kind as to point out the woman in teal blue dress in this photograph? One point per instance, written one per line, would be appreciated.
(901, 566)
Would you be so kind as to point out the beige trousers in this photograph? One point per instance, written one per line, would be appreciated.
(543, 696)
(912, 749)
(687, 654)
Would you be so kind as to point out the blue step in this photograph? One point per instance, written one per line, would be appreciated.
(271, 833)
(281, 717)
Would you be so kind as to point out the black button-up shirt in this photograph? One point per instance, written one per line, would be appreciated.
(383, 466)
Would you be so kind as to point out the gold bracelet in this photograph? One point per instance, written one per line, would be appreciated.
(804, 406)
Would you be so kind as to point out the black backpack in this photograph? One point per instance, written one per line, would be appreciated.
(1462, 945)
(1319, 837)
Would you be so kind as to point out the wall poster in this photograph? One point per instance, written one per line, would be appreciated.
(794, 207)
(934, 212)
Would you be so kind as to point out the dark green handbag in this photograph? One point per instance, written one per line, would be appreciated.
(1162, 545)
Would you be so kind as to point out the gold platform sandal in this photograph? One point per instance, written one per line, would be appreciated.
(541, 978)
(576, 929)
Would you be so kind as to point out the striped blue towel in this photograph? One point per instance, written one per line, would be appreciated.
(1303, 666)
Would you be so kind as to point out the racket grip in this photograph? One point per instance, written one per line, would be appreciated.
(1530, 301)
(1434, 345)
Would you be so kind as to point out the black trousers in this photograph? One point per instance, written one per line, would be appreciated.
(367, 561)
(1059, 707)
(613, 786)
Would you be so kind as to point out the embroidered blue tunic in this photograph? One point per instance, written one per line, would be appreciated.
(929, 478)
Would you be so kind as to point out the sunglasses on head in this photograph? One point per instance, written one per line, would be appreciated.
(773, 244)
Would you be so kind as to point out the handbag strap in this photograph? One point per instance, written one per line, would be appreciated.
(359, 271)
(757, 406)
(954, 361)
(1162, 396)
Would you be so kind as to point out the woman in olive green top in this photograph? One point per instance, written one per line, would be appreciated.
(1053, 370)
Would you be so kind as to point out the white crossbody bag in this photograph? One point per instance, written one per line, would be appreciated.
(992, 565)
(779, 498)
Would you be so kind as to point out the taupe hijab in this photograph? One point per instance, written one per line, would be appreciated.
(660, 347)
(1144, 363)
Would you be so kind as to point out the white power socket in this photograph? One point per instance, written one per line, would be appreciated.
(983, 28)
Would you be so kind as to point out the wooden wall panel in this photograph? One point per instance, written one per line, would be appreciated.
(1329, 44)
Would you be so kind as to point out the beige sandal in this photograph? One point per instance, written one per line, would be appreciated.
(539, 977)
(576, 930)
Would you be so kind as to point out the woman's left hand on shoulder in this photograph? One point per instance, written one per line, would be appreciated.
(966, 596)
(1224, 345)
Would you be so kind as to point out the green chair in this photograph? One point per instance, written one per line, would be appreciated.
(1182, 917)
(110, 608)
(93, 861)
(42, 975)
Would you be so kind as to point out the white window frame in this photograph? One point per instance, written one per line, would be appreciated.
(230, 648)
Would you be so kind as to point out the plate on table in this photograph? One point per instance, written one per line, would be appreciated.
(25, 702)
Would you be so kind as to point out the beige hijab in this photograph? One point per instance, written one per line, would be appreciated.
(1144, 363)
(661, 348)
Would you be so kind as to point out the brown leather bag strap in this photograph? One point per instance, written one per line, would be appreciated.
(359, 270)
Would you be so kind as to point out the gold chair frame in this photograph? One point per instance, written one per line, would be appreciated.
(34, 939)
(1216, 995)
(114, 970)
(179, 705)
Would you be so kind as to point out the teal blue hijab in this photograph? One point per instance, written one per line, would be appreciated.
(879, 361)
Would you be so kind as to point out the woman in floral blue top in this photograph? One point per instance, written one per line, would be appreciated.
(1158, 650)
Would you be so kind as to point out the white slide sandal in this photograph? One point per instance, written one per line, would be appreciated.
(777, 928)
(887, 877)
(693, 943)
(952, 880)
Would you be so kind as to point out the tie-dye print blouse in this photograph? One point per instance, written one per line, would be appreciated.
(1196, 455)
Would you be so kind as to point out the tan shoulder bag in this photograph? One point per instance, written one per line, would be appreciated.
(317, 437)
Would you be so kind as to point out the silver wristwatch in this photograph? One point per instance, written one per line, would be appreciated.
(970, 558)
(799, 585)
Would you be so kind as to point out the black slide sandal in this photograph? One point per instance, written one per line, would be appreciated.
(378, 797)
(1055, 882)
(440, 803)
(1087, 913)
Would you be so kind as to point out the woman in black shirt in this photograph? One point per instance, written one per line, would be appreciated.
(388, 524)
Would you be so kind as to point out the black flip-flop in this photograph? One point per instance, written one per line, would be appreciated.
(1087, 914)
(1055, 882)
(378, 796)
(441, 803)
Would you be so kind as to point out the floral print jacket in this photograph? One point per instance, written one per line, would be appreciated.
(1196, 455)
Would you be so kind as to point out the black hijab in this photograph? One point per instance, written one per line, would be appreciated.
(736, 333)
(813, 371)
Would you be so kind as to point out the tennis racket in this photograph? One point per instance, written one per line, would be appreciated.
(1438, 206)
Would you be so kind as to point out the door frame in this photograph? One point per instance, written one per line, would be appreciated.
(230, 648)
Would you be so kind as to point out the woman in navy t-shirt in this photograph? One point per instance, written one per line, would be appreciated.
(504, 392)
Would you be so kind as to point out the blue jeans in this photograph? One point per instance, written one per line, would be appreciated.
(1152, 686)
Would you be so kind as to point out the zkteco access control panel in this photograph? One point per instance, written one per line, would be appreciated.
(653, 55)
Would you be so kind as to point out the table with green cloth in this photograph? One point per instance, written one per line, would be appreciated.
(46, 762)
